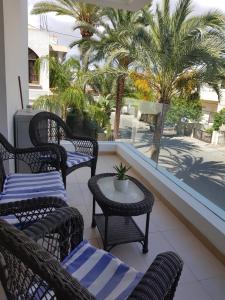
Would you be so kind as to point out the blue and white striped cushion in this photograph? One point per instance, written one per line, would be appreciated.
(25, 186)
(105, 276)
(75, 158)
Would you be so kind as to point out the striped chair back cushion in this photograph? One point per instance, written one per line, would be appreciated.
(105, 276)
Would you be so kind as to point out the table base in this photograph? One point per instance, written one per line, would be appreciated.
(115, 230)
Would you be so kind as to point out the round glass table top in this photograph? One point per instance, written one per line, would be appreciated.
(133, 193)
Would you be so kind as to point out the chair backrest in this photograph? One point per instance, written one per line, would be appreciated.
(46, 127)
(2, 173)
(27, 271)
(31, 159)
(7, 151)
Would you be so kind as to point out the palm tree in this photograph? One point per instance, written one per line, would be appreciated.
(86, 16)
(116, 44)
(65, 84)
(178, 47)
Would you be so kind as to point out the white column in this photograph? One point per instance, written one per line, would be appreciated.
(13, 61)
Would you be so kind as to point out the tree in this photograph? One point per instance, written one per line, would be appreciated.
(86, 16)
(103, 84)
(143, 90)
(178, 47)
(65, 87)
(116, 43)
(183, 110)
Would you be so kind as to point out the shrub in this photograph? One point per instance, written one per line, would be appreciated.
(209, 130)
(219, 119)
(184, 109)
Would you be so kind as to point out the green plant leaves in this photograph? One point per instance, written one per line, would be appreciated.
(121, 171)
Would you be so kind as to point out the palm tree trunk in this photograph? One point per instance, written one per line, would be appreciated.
(86, 35)
(119, 97)
(159, 125)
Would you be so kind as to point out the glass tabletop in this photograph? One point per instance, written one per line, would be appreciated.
(132, 195)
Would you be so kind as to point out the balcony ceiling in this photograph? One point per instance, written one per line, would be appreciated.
(122, 4)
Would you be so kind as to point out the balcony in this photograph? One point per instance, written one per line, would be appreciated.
(203, 276)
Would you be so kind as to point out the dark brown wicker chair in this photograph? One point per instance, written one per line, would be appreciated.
(46, 127)
(29, 272)
(20, 210)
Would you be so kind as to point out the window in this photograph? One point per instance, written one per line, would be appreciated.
(33, 76)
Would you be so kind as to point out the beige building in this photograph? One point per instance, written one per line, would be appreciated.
(211, 103)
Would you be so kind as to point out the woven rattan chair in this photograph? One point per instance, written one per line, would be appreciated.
(46, 127)
(44, 180)
(28, 271)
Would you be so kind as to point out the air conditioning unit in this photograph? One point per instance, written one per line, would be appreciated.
(21, 134)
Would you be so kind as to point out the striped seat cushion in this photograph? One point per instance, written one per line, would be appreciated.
(26, 186)
(75, 158)
(104, 275)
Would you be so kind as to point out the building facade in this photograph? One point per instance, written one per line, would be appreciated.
(40, 45)
(211, 104)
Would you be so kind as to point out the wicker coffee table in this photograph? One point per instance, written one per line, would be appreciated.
(115, 224)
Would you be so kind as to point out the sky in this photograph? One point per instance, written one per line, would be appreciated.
(63, 26)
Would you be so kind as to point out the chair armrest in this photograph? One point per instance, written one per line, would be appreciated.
(40, 158)
(31, 210)
(161, 279)
(59, 232)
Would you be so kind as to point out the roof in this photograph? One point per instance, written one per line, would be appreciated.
(59, 48)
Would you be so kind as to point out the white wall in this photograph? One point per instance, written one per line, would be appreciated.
(13, 61)
(207, 93)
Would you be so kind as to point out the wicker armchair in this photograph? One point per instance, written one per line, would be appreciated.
(43, 186)
(28, 271)
(46, 127)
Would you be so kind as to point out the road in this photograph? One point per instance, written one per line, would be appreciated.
(200, 165)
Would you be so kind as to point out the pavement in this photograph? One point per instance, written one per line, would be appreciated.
(198, 164)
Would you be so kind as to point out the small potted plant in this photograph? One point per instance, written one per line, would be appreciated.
(121, 180)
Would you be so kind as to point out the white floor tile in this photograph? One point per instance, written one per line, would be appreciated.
(215, 287)
(191, 291)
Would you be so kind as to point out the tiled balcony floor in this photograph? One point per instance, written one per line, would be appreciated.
(203, 276)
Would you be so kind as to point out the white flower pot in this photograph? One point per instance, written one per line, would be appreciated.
(121, 185)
